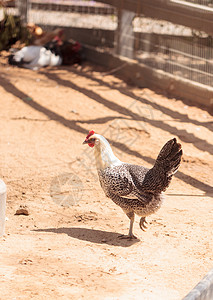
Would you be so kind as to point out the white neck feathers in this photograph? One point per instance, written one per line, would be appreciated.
(103, 154)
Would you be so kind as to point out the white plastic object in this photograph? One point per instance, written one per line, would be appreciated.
(3, 196)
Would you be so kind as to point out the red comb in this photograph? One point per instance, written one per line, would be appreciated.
(90, 133)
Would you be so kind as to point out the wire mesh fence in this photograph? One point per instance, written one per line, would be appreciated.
(176, 49)
(179, 50)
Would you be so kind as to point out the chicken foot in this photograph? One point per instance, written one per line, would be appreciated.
(130, 235)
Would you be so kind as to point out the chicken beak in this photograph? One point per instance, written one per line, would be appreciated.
(85, 142)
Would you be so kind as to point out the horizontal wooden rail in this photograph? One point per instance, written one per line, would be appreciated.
(179, 12)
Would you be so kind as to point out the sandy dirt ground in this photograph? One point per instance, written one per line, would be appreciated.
(68, 245)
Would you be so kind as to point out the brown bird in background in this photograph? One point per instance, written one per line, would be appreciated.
(136, 189)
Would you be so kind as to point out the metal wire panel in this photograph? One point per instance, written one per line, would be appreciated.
(175, 49)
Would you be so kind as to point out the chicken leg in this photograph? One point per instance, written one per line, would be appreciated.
(130, 235)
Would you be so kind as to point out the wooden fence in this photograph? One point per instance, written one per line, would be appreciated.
(184, 13)
(182, 49)
(199, 17)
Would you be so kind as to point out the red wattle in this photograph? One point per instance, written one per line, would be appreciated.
(91, 145)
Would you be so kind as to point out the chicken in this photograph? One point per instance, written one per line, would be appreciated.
(136, 189)
(44, 52)
(35, 57)
(52, 53)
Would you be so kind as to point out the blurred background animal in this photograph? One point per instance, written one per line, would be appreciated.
(55, 52)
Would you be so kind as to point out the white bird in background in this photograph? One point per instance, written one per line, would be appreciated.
(35, 57)
(54, 53)
(136, 189)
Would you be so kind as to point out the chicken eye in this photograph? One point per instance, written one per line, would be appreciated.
(92, 140)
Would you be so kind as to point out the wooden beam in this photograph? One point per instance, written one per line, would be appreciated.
(125, 34)
(179, 12)
(22, 6)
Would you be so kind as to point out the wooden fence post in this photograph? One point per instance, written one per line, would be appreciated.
(124, 39)
(22, 6)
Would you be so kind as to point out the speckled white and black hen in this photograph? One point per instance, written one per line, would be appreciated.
(136, 189)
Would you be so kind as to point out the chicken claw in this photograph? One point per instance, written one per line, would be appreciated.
(127, 237)
(142, 224)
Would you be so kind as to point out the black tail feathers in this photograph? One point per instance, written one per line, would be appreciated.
(169, 157)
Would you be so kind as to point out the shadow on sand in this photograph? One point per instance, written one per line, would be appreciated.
(92, 235)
